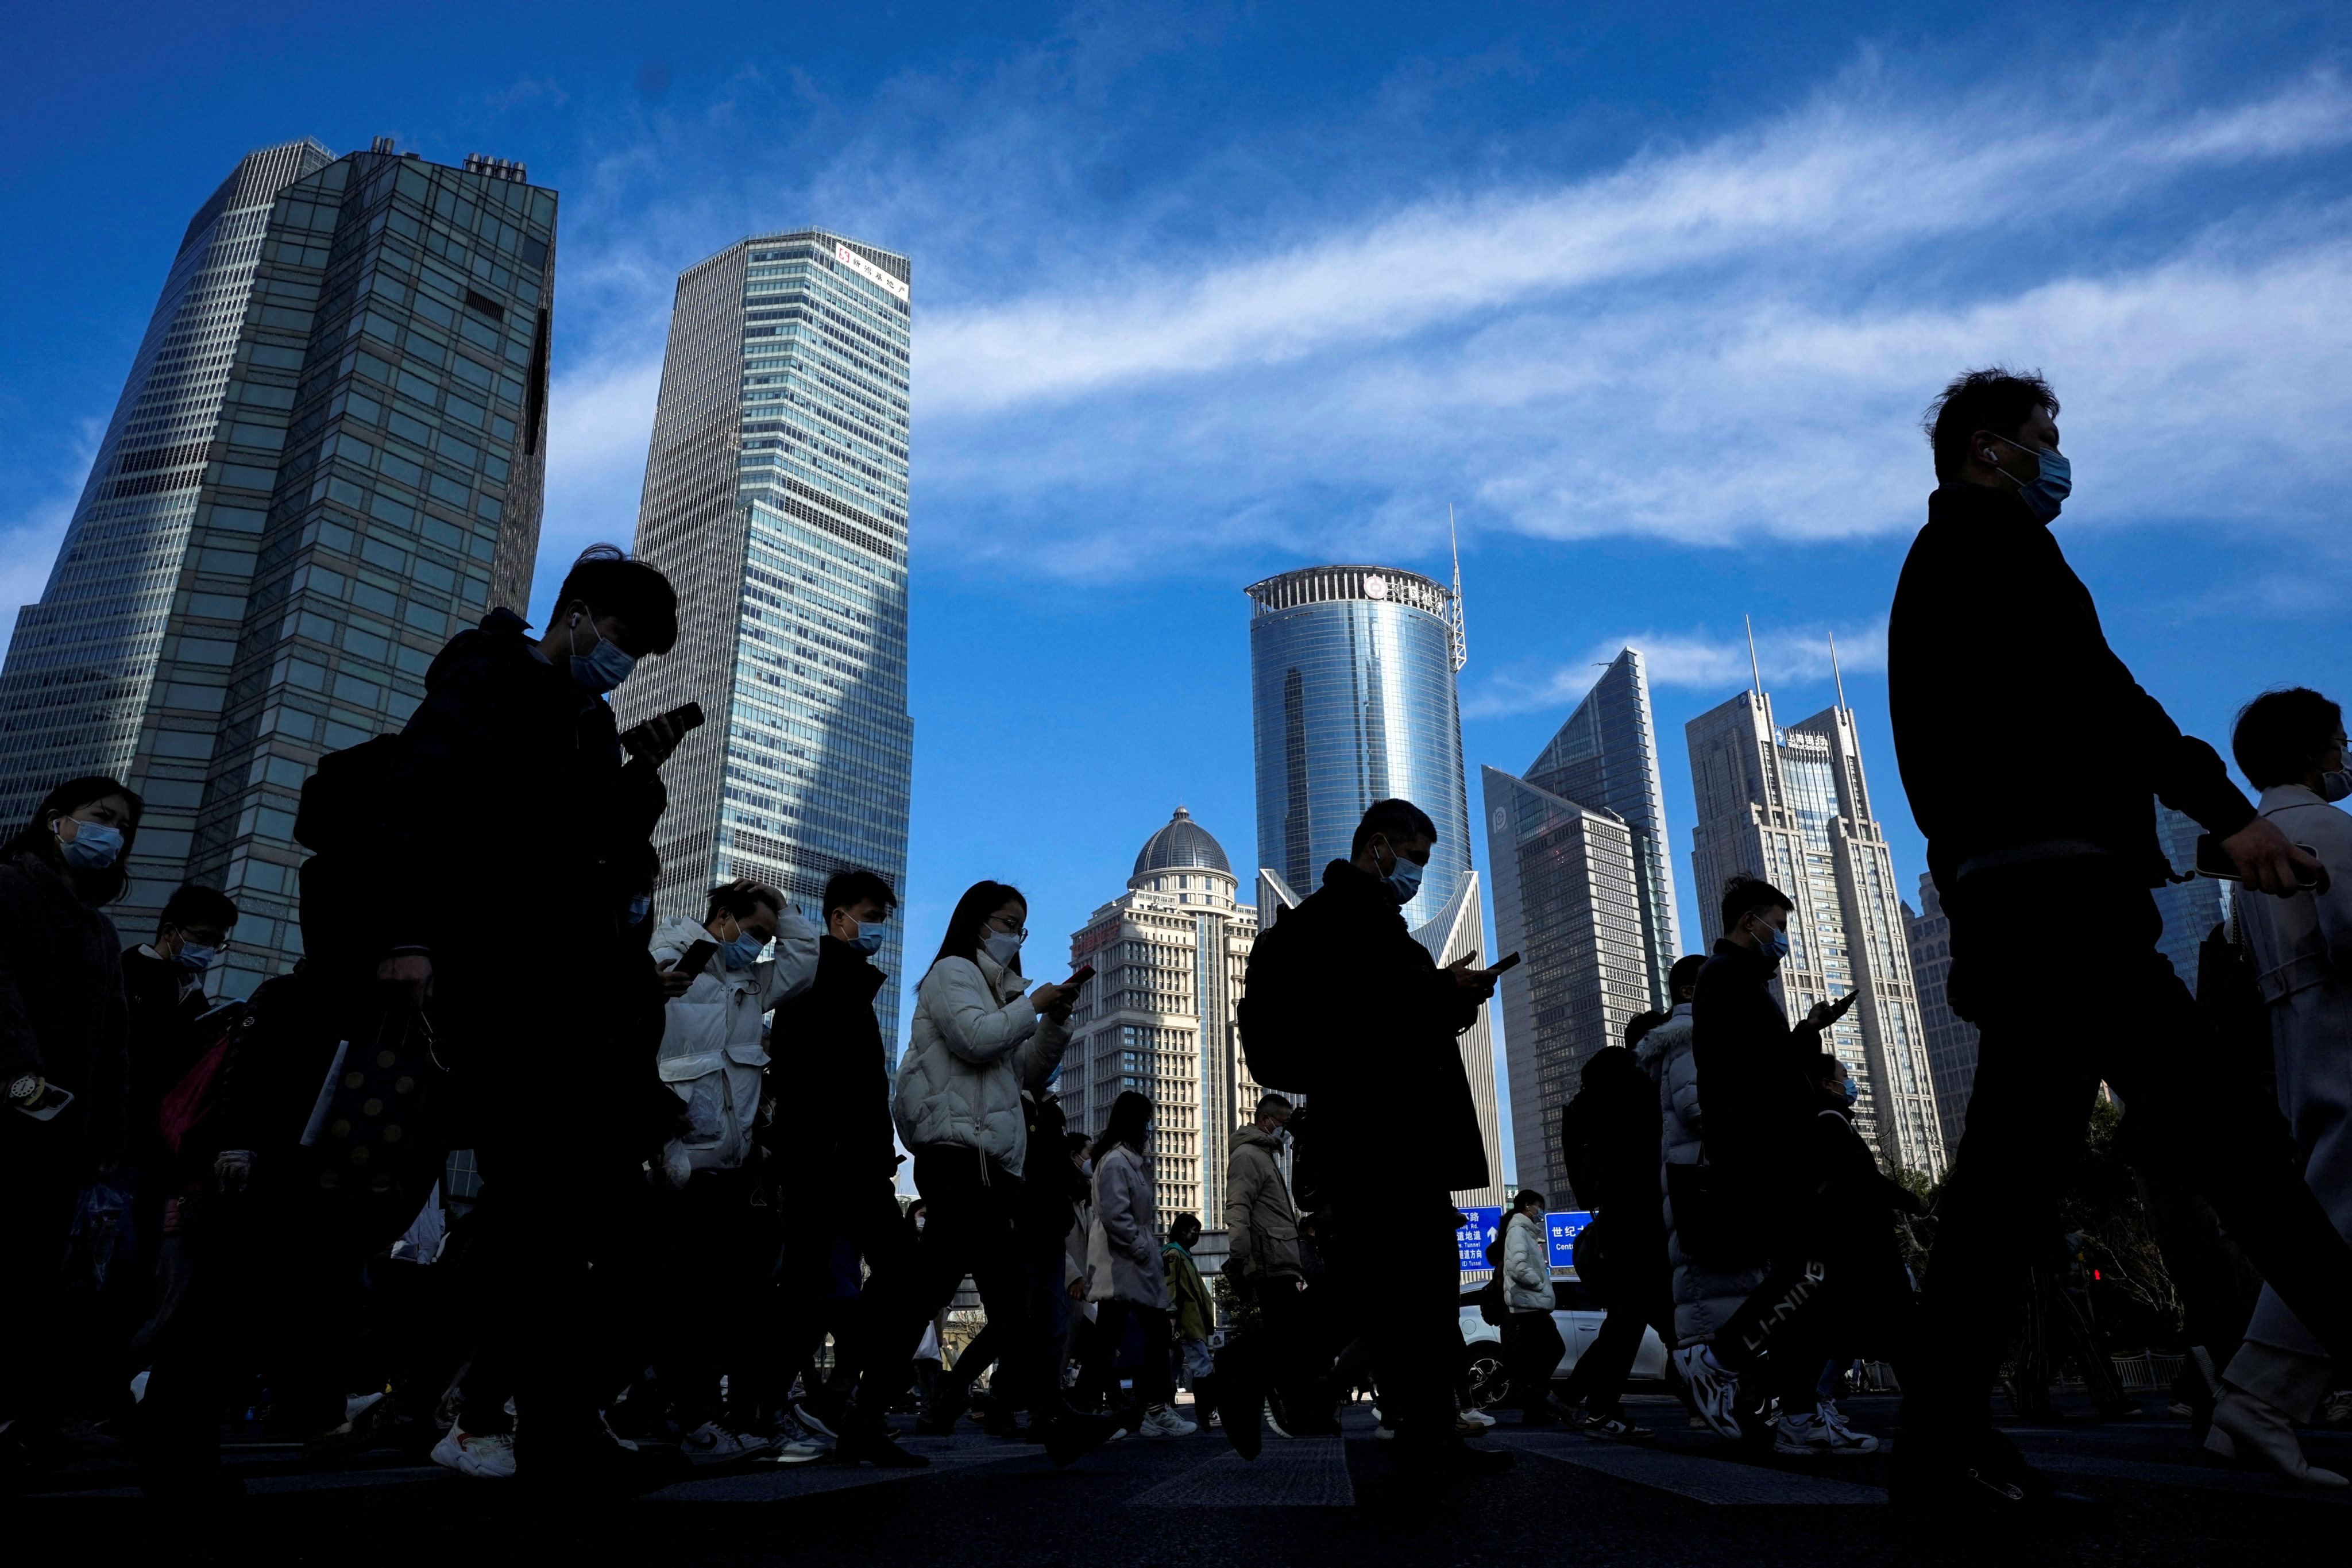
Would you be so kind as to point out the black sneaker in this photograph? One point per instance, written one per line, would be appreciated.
(1617, 1430)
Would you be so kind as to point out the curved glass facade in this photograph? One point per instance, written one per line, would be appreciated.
(1353, 699)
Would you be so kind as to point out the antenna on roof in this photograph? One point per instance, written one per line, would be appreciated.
(1835, 674)
(1753, 671)
(1461, 632)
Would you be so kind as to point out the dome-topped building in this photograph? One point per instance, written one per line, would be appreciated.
(1169, 955)
(1183, 844)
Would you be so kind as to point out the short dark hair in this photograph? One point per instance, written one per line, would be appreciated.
(742, 899)
(193, 904)
(609, 582)
(1393, 820)
(1267, 1104)
(98, 886)
(979, 901)
(845, 889)
(1828, 1066)
(2281, 734)
(1528, 1195)
(1185, 1223)
(1995, 398)
(1683, 975)
(1744, 894)
(1641, 1023)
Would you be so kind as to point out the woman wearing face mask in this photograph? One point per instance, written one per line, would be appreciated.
(981, 1035)
(64, 1064)
(1124, 1278)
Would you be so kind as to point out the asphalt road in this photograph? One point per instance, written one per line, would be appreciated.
(1690, 1499)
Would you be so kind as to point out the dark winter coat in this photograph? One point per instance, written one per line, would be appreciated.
(830, 1073)
(1344, 1004)
(165, 1001)
(1855, 1202)
(1994, 651)
(1609, 1139)
(62, 1013)
(1755, 1072)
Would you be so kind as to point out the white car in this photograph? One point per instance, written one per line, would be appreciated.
(1579, 1317)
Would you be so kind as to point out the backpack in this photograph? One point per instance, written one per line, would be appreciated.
(345, 804)
(1280, 1026)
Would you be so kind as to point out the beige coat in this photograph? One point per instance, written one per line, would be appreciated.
(1258, 1212)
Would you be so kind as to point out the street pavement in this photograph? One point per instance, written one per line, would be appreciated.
(1689, 1498)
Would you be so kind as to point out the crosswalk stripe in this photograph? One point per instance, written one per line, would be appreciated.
(1692, 1476)
(1305, 1472)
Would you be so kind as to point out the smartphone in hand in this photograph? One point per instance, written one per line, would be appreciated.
(1510, 961)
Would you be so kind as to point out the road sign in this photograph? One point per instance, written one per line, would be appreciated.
(1476, 1237)
(1561, 1228)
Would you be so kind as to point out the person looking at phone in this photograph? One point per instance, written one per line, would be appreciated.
(1993, 636)
(982, 1034)
(2288, 744)
(64, 1065)
(1755, 1078)
(1344, 1005)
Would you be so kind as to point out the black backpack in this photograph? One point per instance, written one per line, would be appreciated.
(345, 805)
(1281, 1029)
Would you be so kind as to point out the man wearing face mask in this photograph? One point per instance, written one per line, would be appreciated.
(1993, 638)
(1344, 1004)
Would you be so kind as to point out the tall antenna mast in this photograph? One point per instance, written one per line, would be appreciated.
(1755, 673)
(1461, 632)
(1835, 674)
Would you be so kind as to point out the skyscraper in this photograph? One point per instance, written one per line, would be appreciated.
(1792, 806)
(1583, 893)
(1352, 700)
(775, 498)
(1169, 955)
(327, 458)
(1951, 1040)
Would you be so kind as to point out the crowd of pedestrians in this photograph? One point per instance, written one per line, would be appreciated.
(632, 1198)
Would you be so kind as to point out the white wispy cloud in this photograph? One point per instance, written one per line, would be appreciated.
(1701, 659)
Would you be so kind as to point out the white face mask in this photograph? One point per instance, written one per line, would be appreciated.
(1004, 946)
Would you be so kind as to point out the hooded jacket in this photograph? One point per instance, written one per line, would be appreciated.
(1705, 1295)
(832, 1077)
(1343, 1004)
(976, 1043)
(1526, 1264)
(62, 1013)
(1993, 635)
(710, 1053)
(1195, 1314)
(1259, 1215)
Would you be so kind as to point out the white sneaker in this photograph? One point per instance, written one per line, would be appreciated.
(1812, 1435)
(1478, 1415)
(1162, 1422)
(1715, 1388)
(711, 1443)
(485, 1456)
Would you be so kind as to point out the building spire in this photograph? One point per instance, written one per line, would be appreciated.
(1754, 670)
(1835, 674)
(1461, 632)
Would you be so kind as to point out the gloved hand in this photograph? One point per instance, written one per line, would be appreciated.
(232, 1169)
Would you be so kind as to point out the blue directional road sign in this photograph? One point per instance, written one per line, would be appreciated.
(1561, 1227)
(1476, 1237)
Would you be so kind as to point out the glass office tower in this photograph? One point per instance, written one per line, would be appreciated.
(1792, 806)
(1583, 893)
(354, 474)
(775, 498)
(1353, 701)
(1951, 1040)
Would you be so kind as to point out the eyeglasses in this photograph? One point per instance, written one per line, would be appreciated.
(1020, 931)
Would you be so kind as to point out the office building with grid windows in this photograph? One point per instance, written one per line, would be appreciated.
(1352, 672)
(1951, 1040)
(328, 458)
(1170, 956)
(775, 500)
(1583, 893)
(1792, 806)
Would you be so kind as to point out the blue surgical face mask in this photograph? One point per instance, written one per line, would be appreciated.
(603, 666)
(1771, 939)
(1852, 1093)
(869, 939)
(1404, 881)
(2335, 786)
(2045, 495)
(744, 950)
(195, 958)
(639, 908)
(93, 847)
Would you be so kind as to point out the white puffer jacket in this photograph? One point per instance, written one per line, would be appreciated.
(975, 1044)
(1526, 1264)
(710, 1053)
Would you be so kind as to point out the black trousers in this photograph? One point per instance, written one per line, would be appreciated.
(867, 1332)
(1154, 1382)
(1532, 1350)
(1396, 1256)
(720, 1253)
(970, 1207)
(2057, 966)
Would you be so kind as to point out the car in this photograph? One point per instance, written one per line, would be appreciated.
(1578, 1317)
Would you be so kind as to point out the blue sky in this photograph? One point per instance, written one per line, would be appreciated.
(1653, 296)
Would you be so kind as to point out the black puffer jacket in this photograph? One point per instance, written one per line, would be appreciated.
(1993, 638)
(62, 1013)
(1753, 1070)
(1609, 1139)
(831, 1076)
(1345, 1006)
